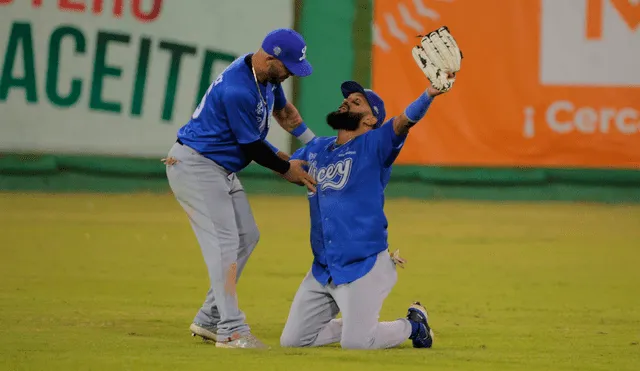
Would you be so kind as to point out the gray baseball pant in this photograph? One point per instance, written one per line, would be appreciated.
(312, 321)
(223, 223)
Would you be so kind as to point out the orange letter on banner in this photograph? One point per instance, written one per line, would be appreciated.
(72, 6)
(629, 12)
(146, 17)
(594, 19)
(5, 2)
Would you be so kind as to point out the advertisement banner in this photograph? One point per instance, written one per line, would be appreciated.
(119, 77)
(543, 83)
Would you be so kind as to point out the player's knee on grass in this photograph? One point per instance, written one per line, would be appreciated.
(296, 337)
(353, 342)
(292, 341)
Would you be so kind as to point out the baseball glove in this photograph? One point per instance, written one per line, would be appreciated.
(439, 57)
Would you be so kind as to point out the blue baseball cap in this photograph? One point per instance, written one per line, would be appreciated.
(289, 47)
(375, 102)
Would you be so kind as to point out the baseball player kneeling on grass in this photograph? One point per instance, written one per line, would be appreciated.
(352, 271)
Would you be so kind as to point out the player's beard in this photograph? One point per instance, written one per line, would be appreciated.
(348, 121)
(274, 76)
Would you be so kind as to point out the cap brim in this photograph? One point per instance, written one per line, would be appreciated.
(350, 87)
(300, 69)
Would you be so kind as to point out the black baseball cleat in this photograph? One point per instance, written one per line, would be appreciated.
(424, 337)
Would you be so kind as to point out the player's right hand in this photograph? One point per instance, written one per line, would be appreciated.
(298, 175)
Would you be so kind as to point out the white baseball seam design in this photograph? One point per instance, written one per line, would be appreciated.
(407, 19)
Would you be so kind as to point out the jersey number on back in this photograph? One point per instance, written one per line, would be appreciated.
(198, 110)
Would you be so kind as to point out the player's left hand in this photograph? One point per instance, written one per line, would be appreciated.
(439, 57)
(297, 174)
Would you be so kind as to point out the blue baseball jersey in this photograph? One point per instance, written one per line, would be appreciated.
(231, 113)
(348, 224)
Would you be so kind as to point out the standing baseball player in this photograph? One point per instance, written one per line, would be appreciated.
(352, 271)
(225, 133)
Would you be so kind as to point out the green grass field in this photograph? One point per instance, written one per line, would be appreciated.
(96, 282)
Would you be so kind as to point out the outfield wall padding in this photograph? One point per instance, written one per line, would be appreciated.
(57, 173)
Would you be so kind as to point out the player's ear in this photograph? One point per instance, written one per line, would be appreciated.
(370, 121)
